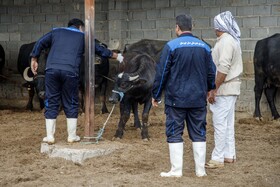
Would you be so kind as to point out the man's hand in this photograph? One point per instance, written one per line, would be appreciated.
(34, 65)
(220, 78)
(211, 96)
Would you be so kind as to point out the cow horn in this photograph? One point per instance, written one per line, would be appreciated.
(120, 75)
(133, 78)
(28, 75)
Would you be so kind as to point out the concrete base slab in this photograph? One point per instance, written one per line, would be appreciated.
(80, 151)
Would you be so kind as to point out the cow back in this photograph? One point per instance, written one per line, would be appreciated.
(151, 47)
(133, 60)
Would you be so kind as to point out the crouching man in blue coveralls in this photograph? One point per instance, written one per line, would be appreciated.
(186, 73)
(62, 74)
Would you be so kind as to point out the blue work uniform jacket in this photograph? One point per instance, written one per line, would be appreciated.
(66, 49)
(186, 72)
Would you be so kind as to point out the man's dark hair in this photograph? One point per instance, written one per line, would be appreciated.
(76, 22)
(184, 22)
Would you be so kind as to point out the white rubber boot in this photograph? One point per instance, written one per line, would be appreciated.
(50, 128)
(71, 128)
(176, 159)
(199, 153)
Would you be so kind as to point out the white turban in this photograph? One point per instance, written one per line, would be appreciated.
(225, 22)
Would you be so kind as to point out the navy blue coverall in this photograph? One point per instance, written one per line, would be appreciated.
(62, 68)
(186, 72)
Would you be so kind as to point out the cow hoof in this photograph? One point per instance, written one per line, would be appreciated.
(259, 118)
(277, 119)
(115, 138)
(136, 126)
(104, 111)
(145, 139)
(29, 107)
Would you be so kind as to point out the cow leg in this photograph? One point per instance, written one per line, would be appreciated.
(42, 104)
(103, 104)
(103, 97)
(137, 123)
(258, 96)
(41, 100)
(270, 94)
(145, 118)
(125, 114)
(259, 83)
(31, 93)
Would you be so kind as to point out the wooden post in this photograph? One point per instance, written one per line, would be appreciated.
(89, 69)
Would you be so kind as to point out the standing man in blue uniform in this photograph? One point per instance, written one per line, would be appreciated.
(62, 74)
(186, 73)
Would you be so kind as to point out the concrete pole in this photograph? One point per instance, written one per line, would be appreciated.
(89, 69)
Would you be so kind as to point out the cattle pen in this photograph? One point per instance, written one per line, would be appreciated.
(133, 163)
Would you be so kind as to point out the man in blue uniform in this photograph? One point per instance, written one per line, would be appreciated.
(62, 74)
(186, 73)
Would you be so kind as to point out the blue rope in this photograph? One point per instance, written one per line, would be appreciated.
(120, 93)
(101, 131)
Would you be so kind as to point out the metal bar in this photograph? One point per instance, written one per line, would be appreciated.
(89, 68)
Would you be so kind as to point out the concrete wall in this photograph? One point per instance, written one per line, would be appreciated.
(119, 22)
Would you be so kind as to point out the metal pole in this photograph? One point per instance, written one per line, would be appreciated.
(89, 69)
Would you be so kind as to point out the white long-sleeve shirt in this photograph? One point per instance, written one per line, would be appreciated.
(227, 57)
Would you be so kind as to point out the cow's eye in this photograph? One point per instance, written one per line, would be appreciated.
(123, 85)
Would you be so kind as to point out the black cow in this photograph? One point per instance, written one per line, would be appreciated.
(38, 81)
(134, 84)
(23, 65)
(267, 73)
(2, 58)
(101, 72)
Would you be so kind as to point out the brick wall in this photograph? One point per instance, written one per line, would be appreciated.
(120, 22)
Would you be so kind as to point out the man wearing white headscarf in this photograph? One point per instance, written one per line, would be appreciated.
(227, 57)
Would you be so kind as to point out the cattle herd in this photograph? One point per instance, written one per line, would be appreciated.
(134, 81)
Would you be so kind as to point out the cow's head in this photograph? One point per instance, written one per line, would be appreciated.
(125, 83)
(39, 79)
(39, 82)
(134, 77)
